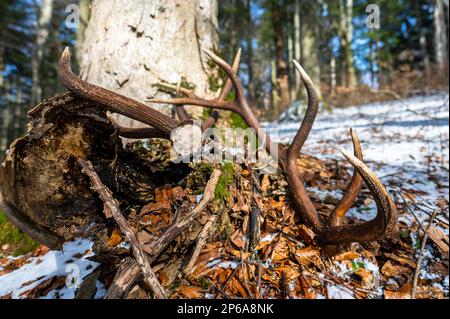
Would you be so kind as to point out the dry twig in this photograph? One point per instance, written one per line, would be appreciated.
(419, 260)
(111, 203)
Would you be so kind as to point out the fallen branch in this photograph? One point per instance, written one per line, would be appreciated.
(113, 206)
(202, 238)
(419, 260)
(124, 281)
(184, 221)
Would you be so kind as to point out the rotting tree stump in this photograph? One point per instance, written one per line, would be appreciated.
(44, 193)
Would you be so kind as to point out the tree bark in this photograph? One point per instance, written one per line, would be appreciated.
(85, 13)
(42, 33)
(310, 47)
(346, 37)
(281, 63)
(440, 35)
(297, 40)
(249, 53)
(131, 46)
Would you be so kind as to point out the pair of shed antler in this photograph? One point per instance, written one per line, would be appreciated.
(332, 232)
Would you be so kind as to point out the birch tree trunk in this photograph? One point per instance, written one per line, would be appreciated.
(440, 35)
(132, 45)
(42, 33)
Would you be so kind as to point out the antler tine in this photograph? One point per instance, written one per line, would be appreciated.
(217, 104)
(244, 108)
(381, 226)
(224, 93)
(353, 188)
(232, 76)
(299, 195)
(111, 100)
(229, 84)
(239, 106)
(310, 115)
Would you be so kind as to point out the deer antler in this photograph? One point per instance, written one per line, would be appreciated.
(180, 110)
(239, 105)
(112, 101)
(379, 227)
(334, 232)
(352, 190)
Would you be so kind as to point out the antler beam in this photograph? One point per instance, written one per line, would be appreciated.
(112, 101)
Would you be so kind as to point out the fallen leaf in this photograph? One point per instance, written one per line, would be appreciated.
(178, 193)
(404, 293)
(429, 292)
(280, 251)
(236, 287)
(163, 277)
(265, 183)
(366, 276)
(308, 256)
(348, 255)
(438, 237)
(305, 233)
(115, 239)
(391, 270)
(237, 239)
(144, 237)
(190, 292)
(401, 260)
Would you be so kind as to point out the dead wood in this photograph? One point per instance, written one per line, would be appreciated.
(126, 275)
(113, 206)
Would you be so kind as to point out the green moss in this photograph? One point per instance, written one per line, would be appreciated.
(206, 113)
(9, 234)
(215, 82)
(221, 192)
(186, 84)
(237, 121)
(357, 265)
(176, 283)
(204, 283)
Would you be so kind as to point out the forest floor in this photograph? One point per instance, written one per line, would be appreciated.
(405, 142)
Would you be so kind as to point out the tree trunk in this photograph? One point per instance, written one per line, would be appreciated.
(131, 46)
(42, 32)
(310, 47)
(297, 40)
(274, 87)
(85, 13)
(281, 64)
(346, 35)
(332, 74)
(249, 55)
(2, 65)
(440, 35)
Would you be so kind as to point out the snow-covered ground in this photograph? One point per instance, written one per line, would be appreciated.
(406, 143)
(71, 262)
